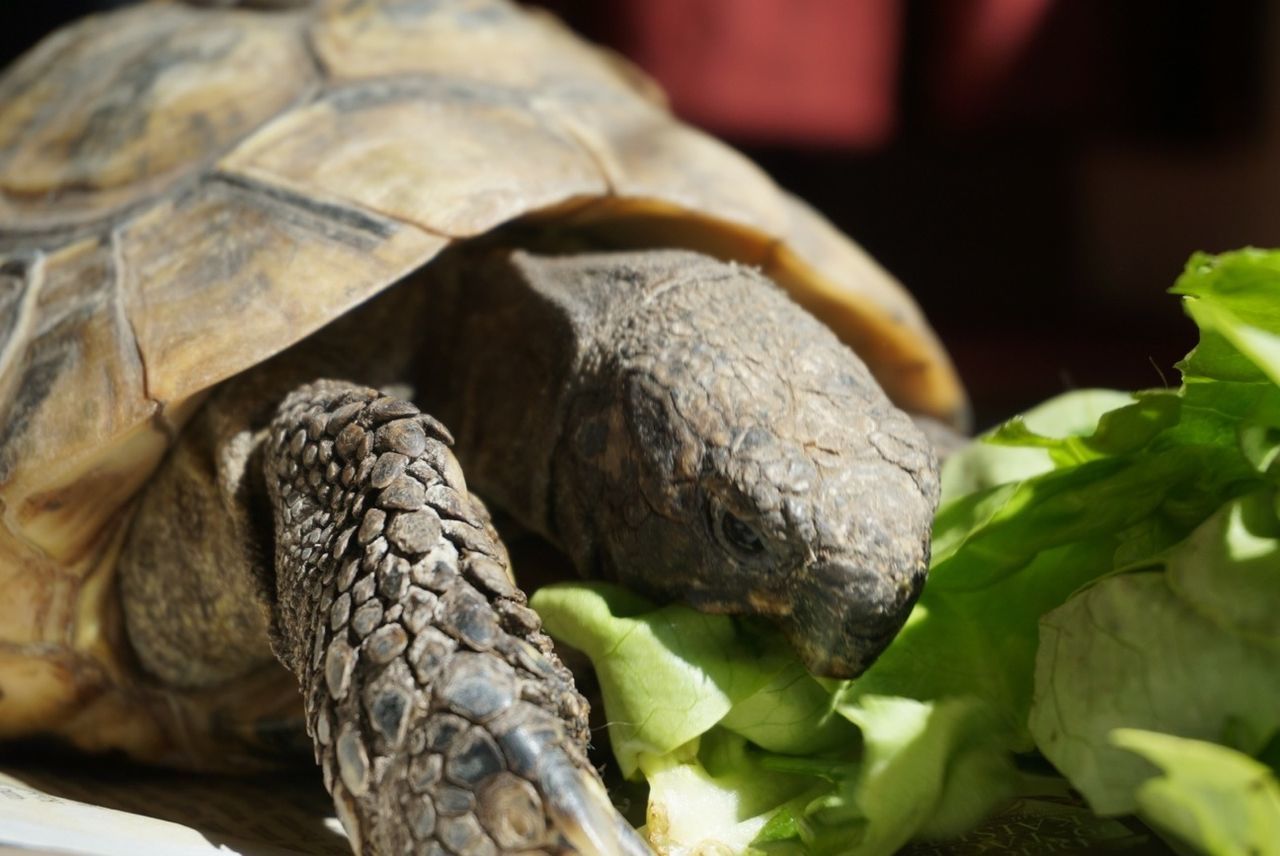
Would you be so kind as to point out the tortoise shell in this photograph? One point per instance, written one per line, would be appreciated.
(185, 192)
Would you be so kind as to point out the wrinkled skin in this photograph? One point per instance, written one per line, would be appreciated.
(713, 443)
(671, 422)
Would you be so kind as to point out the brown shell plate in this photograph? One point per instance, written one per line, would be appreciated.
(185, 192)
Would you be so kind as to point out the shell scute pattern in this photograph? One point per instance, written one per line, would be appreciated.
(147, 174)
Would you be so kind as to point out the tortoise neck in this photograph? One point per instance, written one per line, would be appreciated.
(500, 364)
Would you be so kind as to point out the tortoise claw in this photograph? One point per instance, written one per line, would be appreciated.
(581, 810)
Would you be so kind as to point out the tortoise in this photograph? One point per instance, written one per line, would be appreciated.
(254, 260)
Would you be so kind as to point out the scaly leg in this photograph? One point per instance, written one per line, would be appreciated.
(441, 718)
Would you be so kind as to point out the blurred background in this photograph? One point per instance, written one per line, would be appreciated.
(1036, 171)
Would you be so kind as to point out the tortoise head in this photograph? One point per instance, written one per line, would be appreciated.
(748, 463)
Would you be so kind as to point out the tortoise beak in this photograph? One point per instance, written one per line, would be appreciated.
(849, 614)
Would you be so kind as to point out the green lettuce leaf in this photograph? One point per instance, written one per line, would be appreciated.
(1016, 451)
(1108, 492)
(926, 768)
(1191, 649)
(668, 674)
(721, 796)
(1208, 799)
(786, 764)
(1232, 299)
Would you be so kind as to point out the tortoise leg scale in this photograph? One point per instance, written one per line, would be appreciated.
(440, 716)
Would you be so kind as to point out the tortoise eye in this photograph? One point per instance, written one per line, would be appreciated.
(741, 536)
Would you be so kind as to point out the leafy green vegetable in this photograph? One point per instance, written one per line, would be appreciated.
(931, 768)
(784, 765)
(721, 796)
(1210, 799)
(1105, 561)
(1130, 651)
(1233, 299)
(1097, 502)
(669, 674)
(986, 465)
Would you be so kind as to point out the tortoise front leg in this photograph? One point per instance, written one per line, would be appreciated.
(440, 715)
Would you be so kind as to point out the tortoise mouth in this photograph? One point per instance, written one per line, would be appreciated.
(849, 616)
(829, 664)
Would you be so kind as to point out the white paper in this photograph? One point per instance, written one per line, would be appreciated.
(96, 814)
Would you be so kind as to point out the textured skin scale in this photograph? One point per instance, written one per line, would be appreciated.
(647, 408)
(362, 139)
(439, 712)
